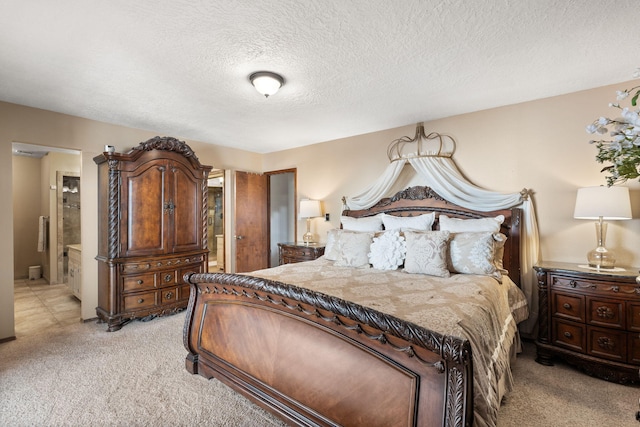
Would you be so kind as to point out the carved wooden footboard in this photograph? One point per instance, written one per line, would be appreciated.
(318, 360)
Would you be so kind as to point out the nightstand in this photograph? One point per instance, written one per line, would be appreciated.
(590, 319)
(298, 252)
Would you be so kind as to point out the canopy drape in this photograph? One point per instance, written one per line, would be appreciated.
(443, 176)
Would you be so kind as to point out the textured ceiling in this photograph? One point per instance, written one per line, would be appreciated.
(180, 67)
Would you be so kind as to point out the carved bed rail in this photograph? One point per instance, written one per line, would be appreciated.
(313, 359)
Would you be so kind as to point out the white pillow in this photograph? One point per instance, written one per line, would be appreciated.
(473, 253)
(353, 249)
(421, 222)
(388, 250)
(459, 225)
(427, 252)
(370, 223)
(331, 247)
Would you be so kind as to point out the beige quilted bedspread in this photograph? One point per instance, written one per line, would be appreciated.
(477, 308)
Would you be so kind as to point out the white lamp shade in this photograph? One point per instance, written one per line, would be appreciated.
(310, 208)
(610, 203)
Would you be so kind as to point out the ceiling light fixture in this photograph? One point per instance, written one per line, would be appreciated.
(266, 82)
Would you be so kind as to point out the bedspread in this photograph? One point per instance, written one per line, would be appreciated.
(473, 307)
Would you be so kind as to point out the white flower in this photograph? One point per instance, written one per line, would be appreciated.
(622, 94)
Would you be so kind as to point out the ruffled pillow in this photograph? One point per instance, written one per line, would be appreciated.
(422, 222)
(427, 252)
(388, 251)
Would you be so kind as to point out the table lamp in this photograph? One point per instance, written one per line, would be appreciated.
(602, 203)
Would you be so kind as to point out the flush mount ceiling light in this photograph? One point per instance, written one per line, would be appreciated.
(266, 82)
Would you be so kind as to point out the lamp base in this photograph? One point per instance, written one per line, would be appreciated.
(307, 238)
(600, 257)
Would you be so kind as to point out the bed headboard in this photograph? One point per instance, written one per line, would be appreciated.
(418, 200)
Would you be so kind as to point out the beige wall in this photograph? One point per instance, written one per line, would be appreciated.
(40, 127)
(539, 145)
(26, 210)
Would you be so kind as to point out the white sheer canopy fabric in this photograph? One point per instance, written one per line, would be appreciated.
(443, 176)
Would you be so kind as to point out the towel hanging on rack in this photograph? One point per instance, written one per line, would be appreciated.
(42, 233)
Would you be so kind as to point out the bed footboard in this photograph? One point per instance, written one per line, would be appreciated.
(318, 360)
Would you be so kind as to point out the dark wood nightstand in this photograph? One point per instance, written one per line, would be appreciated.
(591, 319)
(298, 252)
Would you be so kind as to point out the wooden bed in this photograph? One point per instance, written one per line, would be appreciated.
(308, 357)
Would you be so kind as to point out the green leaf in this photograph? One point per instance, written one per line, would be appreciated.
(634, 100)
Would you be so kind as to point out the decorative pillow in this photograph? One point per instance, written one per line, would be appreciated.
(388, 250)
(427, 252)
(500, 239)
(331, 247)
(458, 225)
(353, 249)
(421, 222)
(473, 253)
(370, 223)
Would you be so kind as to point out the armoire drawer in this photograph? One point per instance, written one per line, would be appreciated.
(140, 301)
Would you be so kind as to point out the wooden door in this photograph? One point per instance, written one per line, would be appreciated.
(252, 222)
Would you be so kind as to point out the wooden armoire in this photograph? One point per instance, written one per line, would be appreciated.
(152, 220)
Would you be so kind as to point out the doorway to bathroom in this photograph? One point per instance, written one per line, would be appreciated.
(215, 221)
(68, 210)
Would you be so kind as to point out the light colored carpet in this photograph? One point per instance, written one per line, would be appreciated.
(81, 375)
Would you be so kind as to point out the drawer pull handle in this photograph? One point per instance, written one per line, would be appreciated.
(168, 277)
(604, 312)
(615, 289)
(568, 335)
(140, 282)
(606, 343)
(140, 300)
(566, 305)
(169, 295)
(573, 283)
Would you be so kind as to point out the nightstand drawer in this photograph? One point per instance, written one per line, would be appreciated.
(633, 344)
(293, 252)
(607, 344)
(608, 313)
(569, 335)
(568, 306)
(633, 316)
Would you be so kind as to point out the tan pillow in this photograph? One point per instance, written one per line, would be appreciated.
(427, 252)
(473, 253)
(353, 249)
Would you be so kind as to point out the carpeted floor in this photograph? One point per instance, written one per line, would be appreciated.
(81, 375)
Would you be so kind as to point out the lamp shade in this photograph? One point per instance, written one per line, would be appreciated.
(310, 208)
(266, 82)
(610, 203)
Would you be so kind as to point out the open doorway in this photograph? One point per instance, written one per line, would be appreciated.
(282, 211)
(215, 221)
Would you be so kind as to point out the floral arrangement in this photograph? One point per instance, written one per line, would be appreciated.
(623, 149)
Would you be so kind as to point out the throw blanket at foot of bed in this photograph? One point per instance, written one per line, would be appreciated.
(313, 359)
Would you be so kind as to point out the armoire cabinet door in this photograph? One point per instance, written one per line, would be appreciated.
(143, 219)
(185, 220)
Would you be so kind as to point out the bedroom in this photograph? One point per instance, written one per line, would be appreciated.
(557, 161)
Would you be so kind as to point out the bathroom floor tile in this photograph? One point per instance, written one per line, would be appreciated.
(40, 307)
